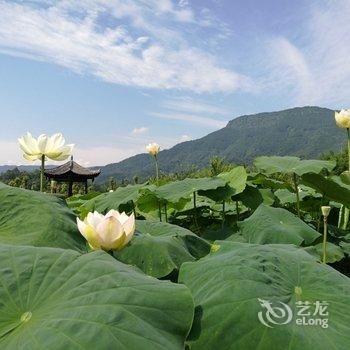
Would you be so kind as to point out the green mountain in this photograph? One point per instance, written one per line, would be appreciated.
(306, 132)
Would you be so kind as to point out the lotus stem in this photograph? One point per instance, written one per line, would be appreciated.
(237, 211)
(160, 211)
(157, 169)
(165, 212)
(42, 169)
(223, 213)
(324, 238)
(134, 209)
(344, 212)
(348, 132)
(295, 181)
(195, 210)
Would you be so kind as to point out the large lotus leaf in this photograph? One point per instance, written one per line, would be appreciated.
(287, 197)
(333, 252)
(218, 232)
(252, 197)
(80, 199)
(276, 164)
(173, 192)
(236, 180)
(159, 248)
(202, 203)
(37, 219)
(121, 199)
(230, 208)
(59, 299)
(150, 200)
(334, 188)
(345, 246)
(228, 283)
(261, 179)
(276, 225)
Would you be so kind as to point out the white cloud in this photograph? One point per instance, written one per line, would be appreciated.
(190, 118)
(103, 155)
(289, 69)
(190, 105)
(313, 67)
(185, 138)
(140, 131)
(155, 57)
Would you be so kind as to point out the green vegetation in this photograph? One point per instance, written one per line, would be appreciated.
(222, 256)
(223, 241)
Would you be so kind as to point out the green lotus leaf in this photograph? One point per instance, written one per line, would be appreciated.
(334, 253)
(236, 180)
(150, 200)
(261, 179)
(252, 197)
(59, 299)
(345, 246)
(159, 248)
(80, 199)
(175, 195)
(333, 188)
(121, 199)
(230, 285)
(173, 192)
(37, 219)
(275, 225)
(289, 165)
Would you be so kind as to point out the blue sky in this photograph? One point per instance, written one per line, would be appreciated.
(114, 75)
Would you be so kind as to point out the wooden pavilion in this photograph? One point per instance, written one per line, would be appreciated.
(71, 172)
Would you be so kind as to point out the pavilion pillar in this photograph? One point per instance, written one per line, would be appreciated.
(70, 188)
(86, 186)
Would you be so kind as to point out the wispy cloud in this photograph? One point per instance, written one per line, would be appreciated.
(288, 69)
(191, 105)
(313, 66)
(140, 131)
(143, 45)
(191, 118)
(185, 138)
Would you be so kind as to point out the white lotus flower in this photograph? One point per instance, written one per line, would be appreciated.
(52, 147)
(153, 149)
(343, 118)
(112, 231)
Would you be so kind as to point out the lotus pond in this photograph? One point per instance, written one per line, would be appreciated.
(242, 260)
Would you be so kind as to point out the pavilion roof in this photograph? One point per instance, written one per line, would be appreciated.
(71, 169)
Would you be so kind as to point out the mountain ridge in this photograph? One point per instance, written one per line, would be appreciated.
(306, 132)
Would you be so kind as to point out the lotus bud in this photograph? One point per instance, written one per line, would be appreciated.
(153, 149)
(342, 118)
(112, 231)
(325, 210)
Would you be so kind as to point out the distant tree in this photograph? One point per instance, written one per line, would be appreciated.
(112, 184)
(218, 165)
(341, 159)
(135, 179)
